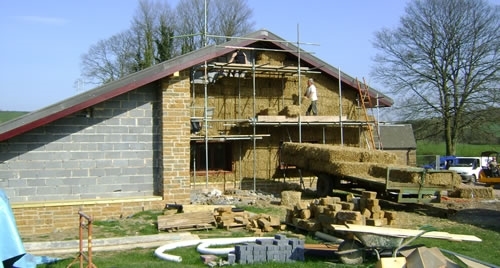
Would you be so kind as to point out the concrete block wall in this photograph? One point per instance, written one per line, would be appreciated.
(103, 152)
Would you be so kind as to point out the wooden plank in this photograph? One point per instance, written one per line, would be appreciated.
(305, 119)
(270, 118)
(201, 208)
(197, 220)
(398, 232)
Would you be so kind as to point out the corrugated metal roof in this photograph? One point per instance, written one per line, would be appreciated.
(110, 90)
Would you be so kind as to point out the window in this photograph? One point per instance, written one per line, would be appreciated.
(219, 156)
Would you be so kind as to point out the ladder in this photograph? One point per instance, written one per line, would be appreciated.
(364, 96)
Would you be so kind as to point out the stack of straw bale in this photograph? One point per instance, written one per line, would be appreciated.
(360, 163)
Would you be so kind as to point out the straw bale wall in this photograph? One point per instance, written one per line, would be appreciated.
(237, 99)
(270, 57)
(233, 98)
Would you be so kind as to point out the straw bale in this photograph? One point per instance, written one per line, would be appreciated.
(391, 215)
(341, 153)
(268, 111)
(325, 201)
(347, 206)
(369, 195)
(469, 191)
(335, 207)
(326, 220)
(372, 202)
(374, 222)
(443, 178)
(290, 198)
(305, 214)
(272, 58)
(290, 111)
(366, 213)
(404, 176)
(347, 215)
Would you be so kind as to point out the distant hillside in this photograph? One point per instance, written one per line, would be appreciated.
(8, 115)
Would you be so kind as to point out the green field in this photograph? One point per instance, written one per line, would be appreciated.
(8, 115)
(429, 148)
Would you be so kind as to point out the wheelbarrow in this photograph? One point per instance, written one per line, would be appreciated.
(352, 250)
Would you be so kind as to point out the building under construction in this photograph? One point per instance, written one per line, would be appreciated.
(189, 123)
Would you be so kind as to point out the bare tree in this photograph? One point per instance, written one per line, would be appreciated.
(108, 60)
(233, 18)
(191, 23)
(157, 34)
(443, 61)
(152, 26)
(224, 19)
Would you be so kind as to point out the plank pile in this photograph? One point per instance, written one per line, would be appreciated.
(202, 220)
(320, 214)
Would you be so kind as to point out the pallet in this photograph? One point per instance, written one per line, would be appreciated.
(202, 220)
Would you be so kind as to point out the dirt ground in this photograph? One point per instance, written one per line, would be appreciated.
(479, 212)
(484, 213)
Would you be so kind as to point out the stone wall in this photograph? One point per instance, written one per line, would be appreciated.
(50, 217)
(176, 130)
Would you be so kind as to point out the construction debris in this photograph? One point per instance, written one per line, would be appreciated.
(228, 219)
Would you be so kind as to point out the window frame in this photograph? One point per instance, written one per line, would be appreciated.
(215, 163)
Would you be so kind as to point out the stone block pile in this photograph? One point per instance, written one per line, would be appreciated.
(319, 214)
(279, 249)
(227, 218)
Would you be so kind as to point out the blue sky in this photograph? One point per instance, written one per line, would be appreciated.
(44, 40)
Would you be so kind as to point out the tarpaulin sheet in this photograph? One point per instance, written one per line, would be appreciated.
(11, 244)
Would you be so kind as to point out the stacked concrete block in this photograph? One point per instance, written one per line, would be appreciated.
(279, 249)
(320, 214)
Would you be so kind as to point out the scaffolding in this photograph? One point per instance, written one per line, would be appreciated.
(254, 69)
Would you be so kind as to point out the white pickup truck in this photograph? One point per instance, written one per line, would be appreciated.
(467, 167)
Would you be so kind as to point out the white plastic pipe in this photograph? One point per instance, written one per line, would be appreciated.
(168, 257)
(328, 237)
(203, 247)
